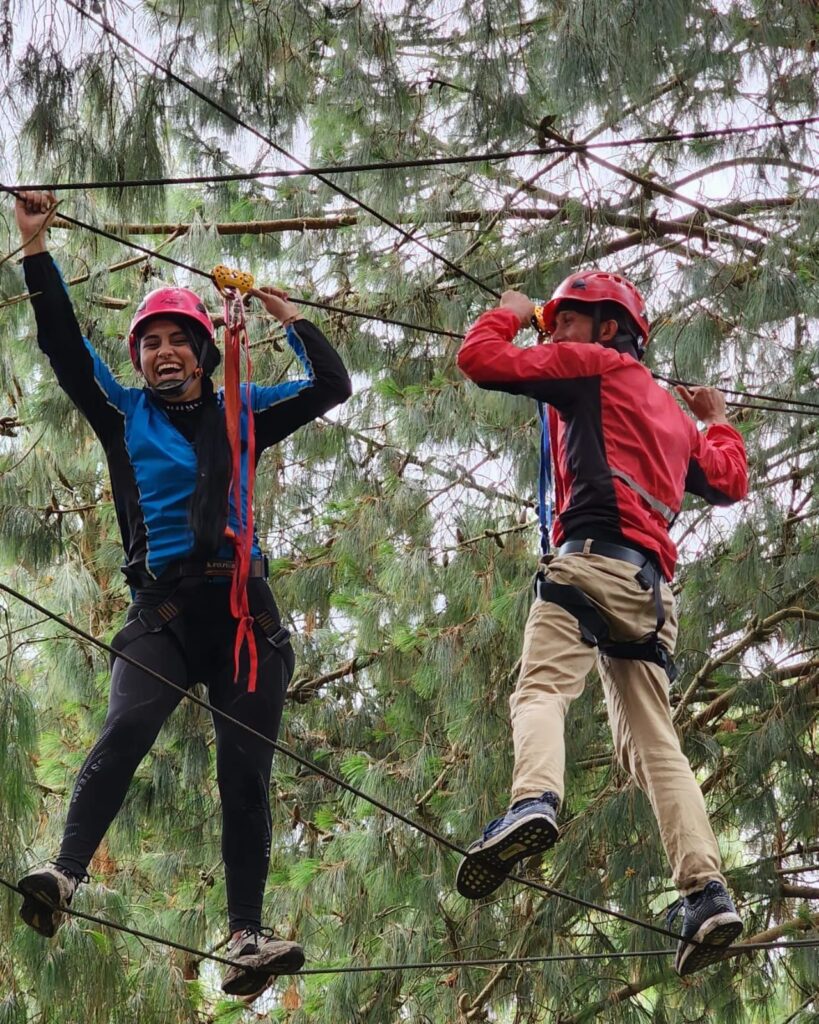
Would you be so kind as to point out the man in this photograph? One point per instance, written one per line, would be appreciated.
(624, 453)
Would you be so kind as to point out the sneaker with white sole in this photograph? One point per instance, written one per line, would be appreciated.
(258, 955)
(709, 918)
(527, 828)
(47, 893)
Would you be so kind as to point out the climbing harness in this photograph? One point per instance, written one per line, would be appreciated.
(184, 579)
(594, 630)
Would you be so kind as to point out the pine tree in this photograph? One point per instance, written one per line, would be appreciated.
(403, 531)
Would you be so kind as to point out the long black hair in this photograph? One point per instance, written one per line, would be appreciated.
(208, 506)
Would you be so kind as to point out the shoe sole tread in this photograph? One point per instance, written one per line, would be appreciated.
(40, 909)
(482, 870)
(253, 979)
(714, 944)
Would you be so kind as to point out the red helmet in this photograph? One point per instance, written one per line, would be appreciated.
(167, 302)
(598, 286)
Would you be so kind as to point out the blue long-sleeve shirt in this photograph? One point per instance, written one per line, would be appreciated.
(151, 461)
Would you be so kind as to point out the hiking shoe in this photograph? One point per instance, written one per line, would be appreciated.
(47, 893)
(709, 917)
(527, 828)
(258, 956)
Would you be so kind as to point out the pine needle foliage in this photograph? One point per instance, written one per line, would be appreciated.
(402, 529)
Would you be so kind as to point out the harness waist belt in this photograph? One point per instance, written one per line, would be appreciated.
(603, 547)
(220, 567)
(188, 579)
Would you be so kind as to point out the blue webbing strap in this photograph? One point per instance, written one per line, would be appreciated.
(544, 488)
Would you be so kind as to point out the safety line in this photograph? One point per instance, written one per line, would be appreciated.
(11, 190)
(452, 266)
(730, 951)
(426, 329)
(437, 161)
(750, 394)
(105, 25)
(323, 773)
(110, 30)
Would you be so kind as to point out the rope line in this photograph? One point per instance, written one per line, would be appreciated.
(323, 773)
(105, 25)
(305, 762)
(438, 161)
(305, 169)
(335, 779)
(329, 307)
(750, 394)
(426, 965)
(810, 408)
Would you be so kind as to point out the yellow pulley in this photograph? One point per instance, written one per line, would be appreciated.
(226, 278)
(537, 320)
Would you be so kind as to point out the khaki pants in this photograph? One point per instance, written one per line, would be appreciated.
(554, 665)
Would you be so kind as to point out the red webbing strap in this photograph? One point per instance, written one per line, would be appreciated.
(235, 341)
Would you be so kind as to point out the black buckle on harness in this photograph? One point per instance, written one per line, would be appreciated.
(279, 638)
(594, 630)
(275, 633)
(155, 619)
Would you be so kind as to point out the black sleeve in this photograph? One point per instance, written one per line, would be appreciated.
(81, 374)
(289, 405)
(697, 483)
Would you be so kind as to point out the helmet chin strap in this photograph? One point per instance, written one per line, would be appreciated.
(621, 342)
(170, 389)
(596, 322)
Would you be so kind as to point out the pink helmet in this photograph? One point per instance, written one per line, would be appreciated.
(598, 286)
(167, 302)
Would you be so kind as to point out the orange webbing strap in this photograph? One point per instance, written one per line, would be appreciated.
(235, 341)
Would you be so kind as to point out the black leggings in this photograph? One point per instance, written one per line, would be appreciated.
(197, 646)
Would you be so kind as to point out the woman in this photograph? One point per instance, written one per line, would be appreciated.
(170, 466)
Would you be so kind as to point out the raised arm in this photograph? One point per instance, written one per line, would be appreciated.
(557, 374)
(718, 467)
(79, 370)
(325, 383)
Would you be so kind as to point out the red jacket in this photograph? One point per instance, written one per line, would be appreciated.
(623, 449)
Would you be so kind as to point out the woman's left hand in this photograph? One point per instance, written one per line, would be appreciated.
(277, 303)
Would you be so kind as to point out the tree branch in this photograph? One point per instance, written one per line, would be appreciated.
(459, 476)
(757, 631)
(301, 690)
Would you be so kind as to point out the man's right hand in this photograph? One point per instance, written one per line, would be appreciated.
(34, 211)
(707, 404)
(519, 304)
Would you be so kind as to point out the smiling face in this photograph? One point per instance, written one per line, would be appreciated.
(570, 325)
(165, 356)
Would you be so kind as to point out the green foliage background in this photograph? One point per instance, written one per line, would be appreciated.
(402, 530)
